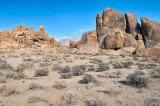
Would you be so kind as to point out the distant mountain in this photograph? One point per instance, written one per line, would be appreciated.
(65, 40)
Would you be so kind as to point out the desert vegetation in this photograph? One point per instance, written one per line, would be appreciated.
(50, 82)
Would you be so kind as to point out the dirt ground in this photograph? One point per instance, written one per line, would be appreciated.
(105, 91)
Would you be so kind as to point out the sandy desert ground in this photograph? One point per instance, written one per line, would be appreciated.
(30, 77)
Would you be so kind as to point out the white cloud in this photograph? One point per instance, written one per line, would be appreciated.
(82, 30)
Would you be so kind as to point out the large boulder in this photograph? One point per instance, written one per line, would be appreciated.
(129, 41)
(79, 43)
(72, 44)
(112, 40)
(113, 19)
(91, 48)
(132, 25)
(90, 37)
(151, 32)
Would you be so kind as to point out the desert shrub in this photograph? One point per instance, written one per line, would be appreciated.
(28, 60)
(46, 59)
(122, 65)
(44, 64)
(66, 69)
(117, 74)
(54, 58)
(78, 71)
(22, 67)
(1, 74)
(41, 72)
(152, 102)
(19, 75)
(34, 86)
(91, 68)
(150, 66)
(4, 65)
(97, 102)
(9, 75)
(135, 58)
(158, 69)
(70, 97)
(67, 55)
(10, 90)
(156, 74)
(102, 67)
(138, 80)
(60, 84)
(112, 92)
(139, 72)
(3, 79)
(97, 60)
(83, 67)
(3, 88)
(66, 75)
(69, 61)
(112, 57)
(87, 79)
(57, 67)
(33, 99)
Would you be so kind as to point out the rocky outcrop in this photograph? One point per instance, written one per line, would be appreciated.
(132, 25)
(151, 32)
(23, 37)
(79, 43)
(90, 37)
(72, 44)
(113, 19)
(111, 40)
(98, 22)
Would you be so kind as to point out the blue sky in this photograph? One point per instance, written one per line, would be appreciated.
(69, 18)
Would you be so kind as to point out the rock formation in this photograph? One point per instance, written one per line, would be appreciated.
(89, 37)
(72, 44)
(23, 37)
(112, 33)
(132, 25)
(151, 32)
(113, 19)
(112, 40)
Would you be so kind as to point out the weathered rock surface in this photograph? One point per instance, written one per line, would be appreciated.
(151, 32)
(72, 44)
(126, 51)
(154, 52)
(99, 22)
(79, 43)
(129, 41)
(90, 37)
(142, 52)
(113, 19)
(111, 40)
(132, 25)
(91, 48)
(26, 37)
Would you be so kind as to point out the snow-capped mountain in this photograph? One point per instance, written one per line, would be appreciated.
(65, 40)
